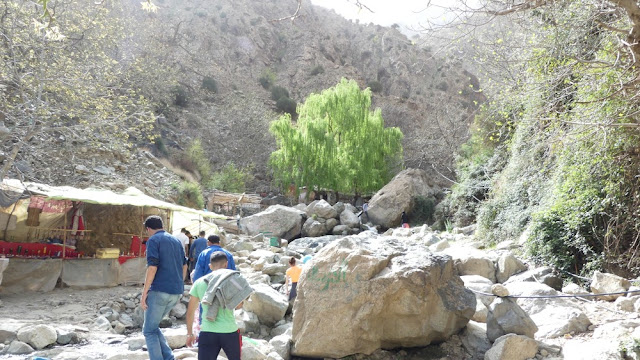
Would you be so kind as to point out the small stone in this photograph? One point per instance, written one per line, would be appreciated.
(18, 347)
(544, 353)
(499, 290)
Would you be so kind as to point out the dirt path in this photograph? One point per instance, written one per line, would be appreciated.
(60, 306)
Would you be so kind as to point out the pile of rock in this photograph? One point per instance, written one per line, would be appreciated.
(323, 219)
(18, 338)
(316, 219)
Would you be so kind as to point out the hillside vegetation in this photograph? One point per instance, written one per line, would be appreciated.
(553, 157)
(108, 79)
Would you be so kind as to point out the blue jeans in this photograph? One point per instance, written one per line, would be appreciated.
(159, 304)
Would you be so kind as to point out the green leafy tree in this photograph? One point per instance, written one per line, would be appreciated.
(337, 143)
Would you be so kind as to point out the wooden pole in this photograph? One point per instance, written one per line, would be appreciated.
(64, 237)
(141, 233)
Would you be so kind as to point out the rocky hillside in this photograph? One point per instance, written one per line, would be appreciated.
(170, 53)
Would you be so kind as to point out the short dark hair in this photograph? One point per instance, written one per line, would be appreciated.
(214, 239)
(292, 261)
(202, 233)
(153, 222)
(218, 257)
(183, 230)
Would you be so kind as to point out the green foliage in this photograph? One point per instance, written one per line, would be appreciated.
(267, 79)
(337, 143)
(423, 210)
(278, 92)
(317, 70)
(210, 84)
(231, 178)
(287, 105)
(552, 153)
(375, 86)
(181, 97)
(442, 86)
(160, 145)
(190, 195)
(195, 153)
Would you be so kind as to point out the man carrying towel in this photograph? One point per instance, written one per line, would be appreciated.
(223, 290)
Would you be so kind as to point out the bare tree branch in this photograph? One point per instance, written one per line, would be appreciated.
(290, 17)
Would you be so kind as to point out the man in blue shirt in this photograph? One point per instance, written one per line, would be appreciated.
(197, 247)
(163, 285)
(202, 265)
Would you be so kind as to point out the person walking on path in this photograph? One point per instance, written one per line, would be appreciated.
(221, 332)
(202, 264)
(292, 275)
(404, 219)
(163, 285)
(365, 212)
(197, 247)
(183, 238)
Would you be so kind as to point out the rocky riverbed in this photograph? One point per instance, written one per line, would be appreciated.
(420, 280)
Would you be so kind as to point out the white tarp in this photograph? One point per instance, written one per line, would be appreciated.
(90, 273)
(132, 271)
(28, 275)
(130, 196)
(194, 223)
(4, 262)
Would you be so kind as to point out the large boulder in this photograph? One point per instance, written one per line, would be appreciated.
(473, 265)
(554, 318)
(399, 195)
(268, 304)
(505, 317)
(349, 219)
(369, 291)
(508, 265)
(544, 275)
(322, 209)
(38, 336)
(313, 228)
(512, 347)
(281, 221)
(602, 283)
(474, 339)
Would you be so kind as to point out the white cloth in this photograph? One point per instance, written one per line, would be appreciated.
(184, 239)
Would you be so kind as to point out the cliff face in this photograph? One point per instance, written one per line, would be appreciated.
(235, 43)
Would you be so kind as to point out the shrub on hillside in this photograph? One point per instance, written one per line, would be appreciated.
(267, 79)
(423, 210)
(210, 84)
(287, 105)
(231, 178)
(317, 70)
(375, 86)
(180, 96)
(278, 92)
(160, 145)
(190, 195)
(442, 86)
(197, 156)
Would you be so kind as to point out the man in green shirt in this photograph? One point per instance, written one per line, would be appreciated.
(214, 335)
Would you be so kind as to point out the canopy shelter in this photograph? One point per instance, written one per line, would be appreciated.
(39, 221)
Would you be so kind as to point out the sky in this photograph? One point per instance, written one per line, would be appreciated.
(408, 13)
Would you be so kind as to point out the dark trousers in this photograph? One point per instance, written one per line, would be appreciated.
(209, 345)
